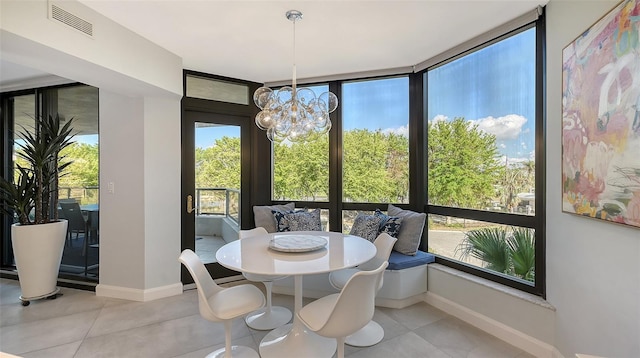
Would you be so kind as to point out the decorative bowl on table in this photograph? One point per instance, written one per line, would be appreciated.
(297, 243)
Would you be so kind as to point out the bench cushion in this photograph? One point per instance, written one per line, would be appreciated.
(398, 261)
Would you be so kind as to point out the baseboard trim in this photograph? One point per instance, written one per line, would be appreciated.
(523, 341)
(399, 303)
(380, 302)
(134, 294)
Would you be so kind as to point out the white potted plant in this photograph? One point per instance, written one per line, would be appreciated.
(38, 236)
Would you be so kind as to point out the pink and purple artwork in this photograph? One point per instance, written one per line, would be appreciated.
(601, 119)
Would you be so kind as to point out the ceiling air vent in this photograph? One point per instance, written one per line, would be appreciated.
(69, 19)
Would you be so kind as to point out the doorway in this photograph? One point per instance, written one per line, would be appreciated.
(214, 162)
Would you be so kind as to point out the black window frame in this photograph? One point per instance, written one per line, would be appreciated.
(537, 221)
(45, 105)
(262, 190)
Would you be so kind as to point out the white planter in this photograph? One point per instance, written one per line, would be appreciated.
(38, 252)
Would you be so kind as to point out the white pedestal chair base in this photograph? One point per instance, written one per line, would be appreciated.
(295, 340)
(267, 319)
(367, 336)
(236, 352)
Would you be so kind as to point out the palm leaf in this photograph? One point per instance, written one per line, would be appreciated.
(488, 245)
(523, 252)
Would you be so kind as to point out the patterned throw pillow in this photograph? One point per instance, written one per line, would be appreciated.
(304, 220)
(263, 215)
(299, 220)
(281, 223)
(366, 226)
(389, 224)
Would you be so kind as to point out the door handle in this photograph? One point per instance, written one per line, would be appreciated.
(190, 207)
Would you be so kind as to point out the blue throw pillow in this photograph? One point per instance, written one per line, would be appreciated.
(281, 222)
(366, 226)
(389, 224)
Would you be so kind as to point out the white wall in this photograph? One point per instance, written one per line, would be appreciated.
(162, 204)
(140, 87)
(593, 267)
(122, 215)
(114, 58)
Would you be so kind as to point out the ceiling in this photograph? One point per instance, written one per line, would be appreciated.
(253, 40)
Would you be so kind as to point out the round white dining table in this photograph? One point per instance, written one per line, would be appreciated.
(254, 255)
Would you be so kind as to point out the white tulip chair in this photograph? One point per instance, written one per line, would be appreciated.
(373, 332)
(219, 304)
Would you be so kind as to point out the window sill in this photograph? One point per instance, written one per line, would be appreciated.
(525, 296)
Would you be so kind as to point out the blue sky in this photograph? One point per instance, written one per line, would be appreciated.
(493, 87)
(206, 136)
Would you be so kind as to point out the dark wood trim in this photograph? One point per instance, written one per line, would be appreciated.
(541, 163)
(200, 110)
(335, 162)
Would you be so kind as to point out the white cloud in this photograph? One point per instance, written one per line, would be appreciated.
(439, 117)
(402, 130)
(507, 127)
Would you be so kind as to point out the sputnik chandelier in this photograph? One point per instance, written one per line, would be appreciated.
(291, 113)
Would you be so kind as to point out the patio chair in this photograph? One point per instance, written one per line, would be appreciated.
(77, 222)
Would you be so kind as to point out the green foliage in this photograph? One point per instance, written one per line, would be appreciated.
(488, 245)
(36, 186)
(301, 170)
(462, 164)
(512, 253)
(83, 170)
(219, 165)
(18, 196)
(375, 166)
(515, 178)
(523, 252)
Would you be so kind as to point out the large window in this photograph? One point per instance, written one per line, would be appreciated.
(481, 128)
(482, 119)
(462, 140)
(375, 141)
(79, 185)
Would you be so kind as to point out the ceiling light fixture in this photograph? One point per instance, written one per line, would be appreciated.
(291, 113)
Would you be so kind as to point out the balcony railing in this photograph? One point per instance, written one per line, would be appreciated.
(85, 195)
(209, 201)
(218, 201)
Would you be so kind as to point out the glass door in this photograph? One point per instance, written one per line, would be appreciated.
(212, 185)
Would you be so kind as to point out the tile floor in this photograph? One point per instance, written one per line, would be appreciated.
(207, 246)
(79, 324)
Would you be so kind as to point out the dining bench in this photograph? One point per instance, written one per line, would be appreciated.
(405, 281)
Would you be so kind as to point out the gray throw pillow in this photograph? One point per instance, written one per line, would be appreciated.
(263, 216)
(304, 220)
(411, 230)
(366, 226)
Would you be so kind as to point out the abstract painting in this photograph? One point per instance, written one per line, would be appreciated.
(601, 119)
